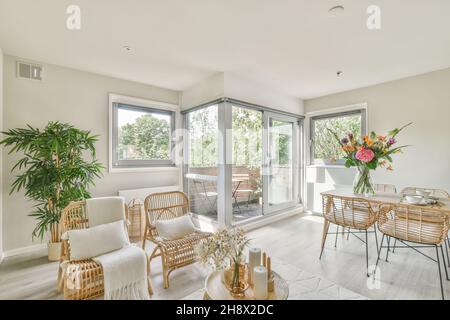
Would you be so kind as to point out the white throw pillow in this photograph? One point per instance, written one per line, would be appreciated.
(175, 228)
(98, 240)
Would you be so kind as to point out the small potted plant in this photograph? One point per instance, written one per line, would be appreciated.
(224, 251)
(53, 172)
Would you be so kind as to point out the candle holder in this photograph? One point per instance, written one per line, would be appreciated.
(271, 283)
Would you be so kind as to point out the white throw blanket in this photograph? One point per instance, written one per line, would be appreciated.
(125, 274)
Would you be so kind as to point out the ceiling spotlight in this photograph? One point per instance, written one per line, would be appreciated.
(339, 74)
(127, 48)
(336, 10)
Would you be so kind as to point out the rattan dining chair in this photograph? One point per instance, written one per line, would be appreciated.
(174, 253)
(389, 188)
(439, 193)
(90, 273)
(349, 213)
(420, 226)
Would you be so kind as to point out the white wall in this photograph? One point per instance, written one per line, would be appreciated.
(81, 99)
(424, 100)
(205, 91)
(230, 85)
(260, 94)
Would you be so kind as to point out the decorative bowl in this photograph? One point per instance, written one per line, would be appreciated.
(423, 193)
(414, 199)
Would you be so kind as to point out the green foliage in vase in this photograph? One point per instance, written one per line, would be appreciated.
(53, 170)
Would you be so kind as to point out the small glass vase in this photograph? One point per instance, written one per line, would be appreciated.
(363, 183)
(235, 279)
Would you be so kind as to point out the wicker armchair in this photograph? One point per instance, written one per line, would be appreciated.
(90, 272)
(421, 226)
(174, 253)
(349, 213)
(434, 192)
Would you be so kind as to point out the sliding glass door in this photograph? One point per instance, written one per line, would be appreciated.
(201, 161)
(281, 174)
(241, 161)
(246, 180)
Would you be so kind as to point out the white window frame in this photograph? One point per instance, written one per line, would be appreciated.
(224, 178)
(333, 112)
(140, 165)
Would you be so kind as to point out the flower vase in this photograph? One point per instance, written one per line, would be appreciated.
(363, 184)
(235, 279)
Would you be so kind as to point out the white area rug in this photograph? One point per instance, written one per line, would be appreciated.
(302, 286)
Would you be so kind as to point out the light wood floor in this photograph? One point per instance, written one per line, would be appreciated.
(295, 240)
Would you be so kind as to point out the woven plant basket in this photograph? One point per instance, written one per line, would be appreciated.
(137, 220)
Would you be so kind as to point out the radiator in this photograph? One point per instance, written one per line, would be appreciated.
(144, 192)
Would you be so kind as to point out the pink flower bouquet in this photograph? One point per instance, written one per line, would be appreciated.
(367, 154)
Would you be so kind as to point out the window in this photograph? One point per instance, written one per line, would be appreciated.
(141, 136)
(202, 158)
(241, 161)
(324, 148)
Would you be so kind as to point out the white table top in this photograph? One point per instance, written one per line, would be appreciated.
(384, 197)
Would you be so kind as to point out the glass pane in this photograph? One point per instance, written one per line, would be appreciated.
(202, 163)
(247, 163)
(325, 145)
(280, 166)
(143, 135)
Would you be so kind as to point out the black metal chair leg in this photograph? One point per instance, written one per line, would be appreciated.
(348, 233)
(387, 251)
(337, 232)
(440, 274)
(445, 264)
(393, 248)
(446, 250)
(378, 258)
(376, 237)
(367, 255)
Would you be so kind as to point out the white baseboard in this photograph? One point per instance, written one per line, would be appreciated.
(266, 220)
(33, 249)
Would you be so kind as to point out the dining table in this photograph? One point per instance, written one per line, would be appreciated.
(443, 204)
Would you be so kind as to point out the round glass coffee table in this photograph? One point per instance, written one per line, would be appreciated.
(215, 289)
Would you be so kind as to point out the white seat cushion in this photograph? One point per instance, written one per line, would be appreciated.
(105, 210)
(175, 228)
(98, 240)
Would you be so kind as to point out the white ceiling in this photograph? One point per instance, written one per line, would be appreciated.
(292, 45)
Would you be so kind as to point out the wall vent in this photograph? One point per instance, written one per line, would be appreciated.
(31, 71)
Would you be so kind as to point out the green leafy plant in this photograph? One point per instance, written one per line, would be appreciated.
(53, 170)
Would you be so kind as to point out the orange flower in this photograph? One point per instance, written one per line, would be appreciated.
(348, 148)
(382, 138)
(367, 140)
(389, 168)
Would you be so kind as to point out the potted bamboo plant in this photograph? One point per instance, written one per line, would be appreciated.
(57, 167)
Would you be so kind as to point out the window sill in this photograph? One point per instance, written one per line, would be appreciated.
(330, 166)
(141, 170)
